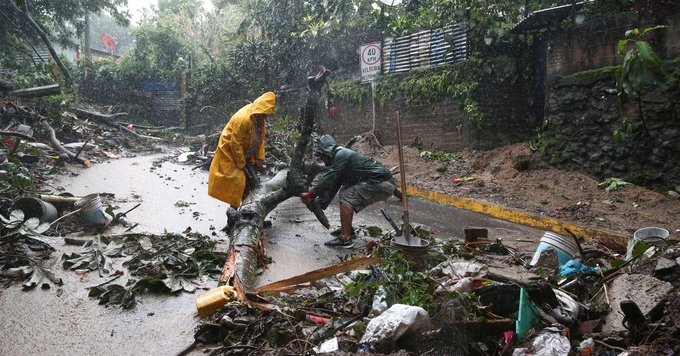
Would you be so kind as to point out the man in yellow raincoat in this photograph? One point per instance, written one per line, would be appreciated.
(241, 143)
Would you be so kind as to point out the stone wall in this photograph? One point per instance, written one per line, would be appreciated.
(583, 111)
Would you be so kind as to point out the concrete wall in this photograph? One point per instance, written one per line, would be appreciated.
(594, 44)
(441, 125)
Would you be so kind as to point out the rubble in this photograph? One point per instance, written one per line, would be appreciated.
(647, 292)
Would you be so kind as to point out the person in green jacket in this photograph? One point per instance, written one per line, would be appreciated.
(361, 181)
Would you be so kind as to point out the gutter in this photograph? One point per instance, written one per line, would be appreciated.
(515, 216)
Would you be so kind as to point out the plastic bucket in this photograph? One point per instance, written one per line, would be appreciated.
(36, 208)
(651, 235)
(565, 248)
(92, 212)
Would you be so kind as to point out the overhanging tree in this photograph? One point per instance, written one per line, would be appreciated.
(51, 22)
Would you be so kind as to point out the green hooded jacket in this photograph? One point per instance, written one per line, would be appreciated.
(347, 168)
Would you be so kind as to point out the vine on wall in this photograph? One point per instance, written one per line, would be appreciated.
(422, 86)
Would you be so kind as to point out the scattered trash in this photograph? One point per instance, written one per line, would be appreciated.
(566, 248)
(211, 301)
(327, 346)
(568, 311)
(648, 237)
(36, 208)
(550, 342)
(92, 210)
(463, 180)
(399, 319)
(573, 267)
(526, 315)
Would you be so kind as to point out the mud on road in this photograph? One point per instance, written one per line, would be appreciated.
(514, 177)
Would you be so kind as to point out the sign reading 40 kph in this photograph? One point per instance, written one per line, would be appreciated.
(371, 61)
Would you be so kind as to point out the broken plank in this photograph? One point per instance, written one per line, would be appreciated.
(318, 274)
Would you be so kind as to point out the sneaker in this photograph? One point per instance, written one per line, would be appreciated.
(338, 242)
(338, 231)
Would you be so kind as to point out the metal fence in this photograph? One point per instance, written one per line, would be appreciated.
(424, 49)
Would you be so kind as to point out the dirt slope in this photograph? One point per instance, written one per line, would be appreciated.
(515, 177)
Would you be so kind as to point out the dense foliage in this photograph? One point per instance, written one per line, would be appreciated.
(240, 48)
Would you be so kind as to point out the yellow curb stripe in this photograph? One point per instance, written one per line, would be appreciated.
(514, 216)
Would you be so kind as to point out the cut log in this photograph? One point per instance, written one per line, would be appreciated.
(35, 92)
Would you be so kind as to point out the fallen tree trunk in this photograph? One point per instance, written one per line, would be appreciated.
(246, 247)
(110, 120)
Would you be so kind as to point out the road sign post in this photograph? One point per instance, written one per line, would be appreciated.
(371, 66)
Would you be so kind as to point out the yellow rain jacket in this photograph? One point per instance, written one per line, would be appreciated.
(227, 181)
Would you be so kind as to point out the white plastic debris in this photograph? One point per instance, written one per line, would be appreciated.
(456, 269)
(379, 301)
(547, 344)
(330, 345)
(568, 310)
(461, 286)
(186, 156)
(396, 321)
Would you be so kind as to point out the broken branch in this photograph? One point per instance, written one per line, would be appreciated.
(57, 146)
(16, 134)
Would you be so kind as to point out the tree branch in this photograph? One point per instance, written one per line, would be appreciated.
(43, 35)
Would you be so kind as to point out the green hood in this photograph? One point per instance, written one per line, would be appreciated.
(326, 145)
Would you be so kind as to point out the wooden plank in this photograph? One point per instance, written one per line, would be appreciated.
(320, 273)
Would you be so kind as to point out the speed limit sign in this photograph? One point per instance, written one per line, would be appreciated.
(371, 61)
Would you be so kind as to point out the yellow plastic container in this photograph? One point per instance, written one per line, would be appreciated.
(212, 300)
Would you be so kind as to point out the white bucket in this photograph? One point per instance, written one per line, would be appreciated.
(565, 248)
(651, 235)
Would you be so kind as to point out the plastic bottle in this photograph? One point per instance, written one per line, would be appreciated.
(212, 300)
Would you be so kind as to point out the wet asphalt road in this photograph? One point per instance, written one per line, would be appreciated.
(64, 320)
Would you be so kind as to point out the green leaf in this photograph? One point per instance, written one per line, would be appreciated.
(21, 180)
(178, 284)
(622, 47)
(649, 29)
(633, 33)
(42, 277)
(114, 248)
(115, 294)
(617, 263)
(16, 218)
(145, 242)
(648, 57)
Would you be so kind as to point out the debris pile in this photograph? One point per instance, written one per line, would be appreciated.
(36, 144)
(565, 297)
